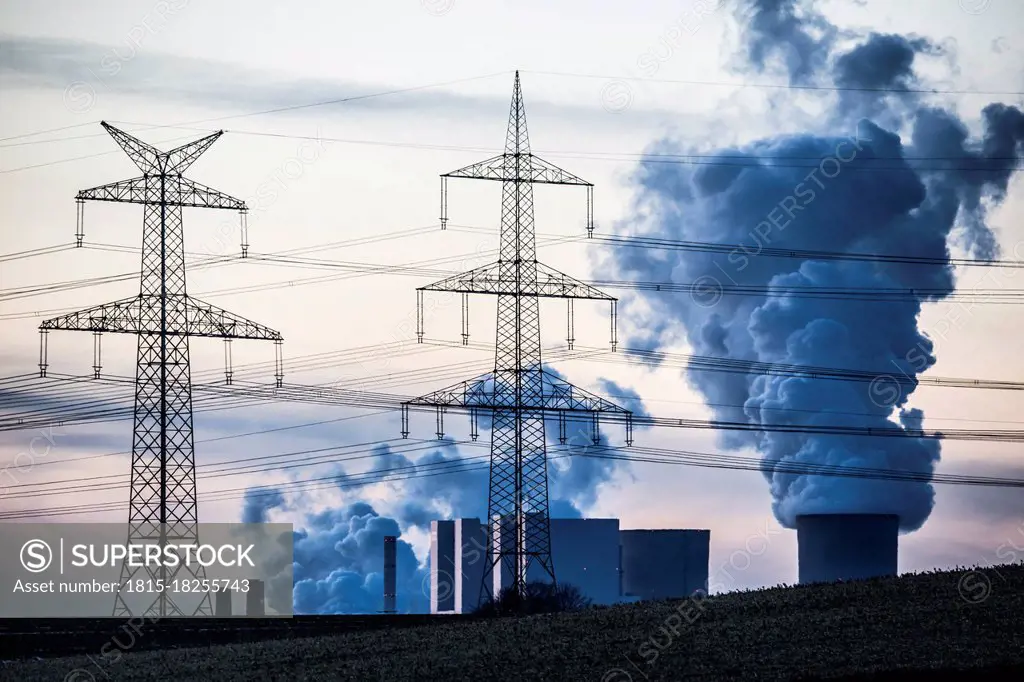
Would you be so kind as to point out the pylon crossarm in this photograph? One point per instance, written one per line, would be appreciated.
(125, 316)
(118, 317)
(488, 169)
(550, 283)
(180, 158)
(480, 280)
(472, 393)
(131, 191)
(530, 169)
(203, 319)
(546, 173)
(563, 396)
(192, 193)
(175, 191)
(480, 393)
(145, 156)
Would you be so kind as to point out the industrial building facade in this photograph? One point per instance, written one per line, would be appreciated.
(664, 564)
(608, 565)
(834, 547)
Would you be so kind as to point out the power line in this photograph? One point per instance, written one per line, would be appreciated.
(334, 454)
(696, 159)
(736, 463)
(32, 253)
(682, 361)
(361, 271)
(106, 455)
(868, 294)
(756, 161)
(44, 132)
(202, 261)
(294, 107)
(801, 254)
(359, 451)
(381, 400)
(55, 287)
(660, 358)
(87, 156)
(462, 465)
(781, 86)
(619, 78)
(719, 156)
(337, 481)
(91, 404)
(704, 286)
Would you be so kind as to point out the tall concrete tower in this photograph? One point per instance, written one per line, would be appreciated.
(390, 547)
(255, 599)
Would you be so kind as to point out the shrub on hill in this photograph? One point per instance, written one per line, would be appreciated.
(539, 597)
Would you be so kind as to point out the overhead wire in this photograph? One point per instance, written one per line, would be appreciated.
(424, 375)
(216, 261)
(262, 112)
(861, 163)
(560, 74)
(857, 163)
(459, 465)
(379, 400)
(779, 86)
(341, 481)
(705, 287)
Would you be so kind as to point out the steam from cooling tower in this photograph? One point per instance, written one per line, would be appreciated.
(860, 187)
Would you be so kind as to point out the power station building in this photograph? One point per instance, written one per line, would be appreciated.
(833, 547)
(647, 553)
(608, 565)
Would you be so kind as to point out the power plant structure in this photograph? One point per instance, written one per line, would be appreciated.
(647, 553)
(162, 503)
(255, 599)
(390, 551)
(519, 394)
(222, 604)
(834, 547)
(607, 564)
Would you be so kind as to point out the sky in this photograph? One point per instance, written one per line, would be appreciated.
(602, 82)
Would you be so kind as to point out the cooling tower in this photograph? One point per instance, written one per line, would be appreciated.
(846, 546)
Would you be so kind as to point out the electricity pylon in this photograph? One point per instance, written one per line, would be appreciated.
(520, 393)
(162, 504)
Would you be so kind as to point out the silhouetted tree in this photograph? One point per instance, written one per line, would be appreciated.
(539, 597)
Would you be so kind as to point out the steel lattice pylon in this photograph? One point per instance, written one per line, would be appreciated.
(519, 393)
(162, 504)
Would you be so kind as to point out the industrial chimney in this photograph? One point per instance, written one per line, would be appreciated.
(222, 604)
(390, 546)
(836, 547)
(255, 605)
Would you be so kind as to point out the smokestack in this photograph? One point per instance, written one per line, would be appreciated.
(254, 607)
(846, 546)
(222, 605)
(390, 547)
